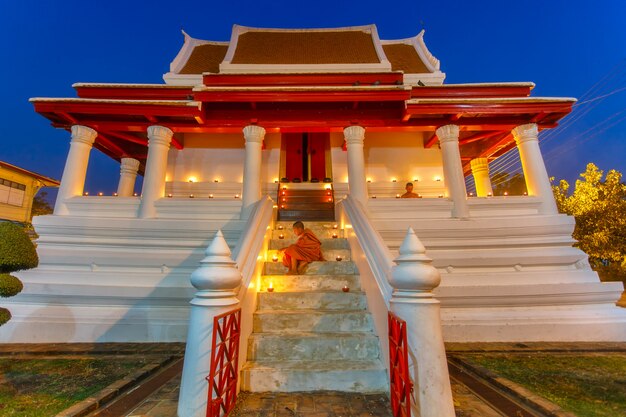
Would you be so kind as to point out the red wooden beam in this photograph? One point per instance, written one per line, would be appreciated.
(472, 91)
(431, 141)
(496, 144)
(110, 145)
(133, 92)
(129, 137)
(108, 108)
(383, 78)
(317, 96)
(478, 136)
(489, 108)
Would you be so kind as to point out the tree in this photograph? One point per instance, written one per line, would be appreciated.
(599, 207)
(41, 206)
(17, 252)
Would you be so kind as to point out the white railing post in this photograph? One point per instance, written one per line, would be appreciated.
(216, 280)
(413, 279)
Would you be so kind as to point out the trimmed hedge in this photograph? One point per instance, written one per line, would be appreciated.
(5, 315)
(17, 252)
(10, 285)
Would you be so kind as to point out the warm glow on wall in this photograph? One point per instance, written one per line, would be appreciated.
(192, 179)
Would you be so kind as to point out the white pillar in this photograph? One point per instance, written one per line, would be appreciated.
(413, 279)
(354, 136)
(216, 280)
(453, 170)
(73, 179)
(480, 171)
(128, 174)
(537, 181)
(159, 139)
(252, 168)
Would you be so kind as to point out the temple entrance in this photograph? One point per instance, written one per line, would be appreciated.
(305, 157)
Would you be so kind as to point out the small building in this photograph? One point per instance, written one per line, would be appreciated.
(338, 112)
(18, 188)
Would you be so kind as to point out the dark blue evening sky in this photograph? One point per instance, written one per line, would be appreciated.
(567, 48)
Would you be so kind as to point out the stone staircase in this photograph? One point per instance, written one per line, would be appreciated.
(308, 334)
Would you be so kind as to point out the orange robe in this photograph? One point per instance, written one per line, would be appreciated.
(307, 248)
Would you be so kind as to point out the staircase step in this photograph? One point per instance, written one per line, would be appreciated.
(326, 233)
(316, 226)
(338, 243)
(292, 376)
(317, 321)
(323, 300)
(312, 346)
(308, 205)
(307, 215)
(329, 254)
(315, 268)
(310, 282)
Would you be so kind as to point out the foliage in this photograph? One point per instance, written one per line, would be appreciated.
(41, 206)
(599, 207)
(17, 252)
(589, 385)
(511, 184)
(9, 285)
(45, 387)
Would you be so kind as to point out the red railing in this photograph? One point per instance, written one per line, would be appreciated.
(224, 364)
(399, 377)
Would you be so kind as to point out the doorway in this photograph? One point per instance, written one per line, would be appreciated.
(305, 157)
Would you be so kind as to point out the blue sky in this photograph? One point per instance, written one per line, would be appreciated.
(565, 47)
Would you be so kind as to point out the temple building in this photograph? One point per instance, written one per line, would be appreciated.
(330, 124)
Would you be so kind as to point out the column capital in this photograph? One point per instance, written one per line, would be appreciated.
(129, 165)
(354, 135)
(83, 134)
(159, 135)
(253, 133)
(527, 132)
(479, 164)
(448, 133)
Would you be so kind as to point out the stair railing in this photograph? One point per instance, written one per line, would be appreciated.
(404, 286)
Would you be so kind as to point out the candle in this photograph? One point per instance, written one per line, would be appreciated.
(345, 288)
(236, 195)
(169, 196)
(373, 196)
(334, 235)
(275, 258)
(114, 194)
(270, 288)
(190, 195)
(100, 194)
(334, 226)
(397, 195)
(281, 236)
(210, 195)
(280, 227)
(339, 258)
(86, 193)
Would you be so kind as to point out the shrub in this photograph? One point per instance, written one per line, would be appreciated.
(9, 285)
(16, 249)
(5, 315)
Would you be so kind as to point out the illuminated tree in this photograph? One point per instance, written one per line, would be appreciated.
(599, 207)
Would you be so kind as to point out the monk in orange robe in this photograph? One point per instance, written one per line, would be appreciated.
(307, 249)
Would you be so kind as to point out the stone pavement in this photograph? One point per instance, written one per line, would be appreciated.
(163, 403)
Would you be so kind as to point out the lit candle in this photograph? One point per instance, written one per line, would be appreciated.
(394, 180)
(440, 195)
(506, 193)
(86, 193)
(397, 195)
(100, 194)
(369, 180)
(373, 196)
(169, 196)
(334, 235)
(236, 195)
(419, 196)
(134, 194)
(114, 194)
(345, 288)
(525, 193)
(471, 194)
(210, 195)
(339, 258)
(216, 180)
(281, 236)
(280, 227)
(275, 258)
(270, 288)
(335, 226)
(190, 195)
(488, 194)
(330, 200)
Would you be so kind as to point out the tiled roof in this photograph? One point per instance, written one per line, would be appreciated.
(205, 58)
(404, 58)
(305, 47)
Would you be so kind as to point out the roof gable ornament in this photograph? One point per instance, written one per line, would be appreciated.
(175, 75)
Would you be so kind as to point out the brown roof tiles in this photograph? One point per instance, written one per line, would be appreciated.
(205, 58)
(404, 57)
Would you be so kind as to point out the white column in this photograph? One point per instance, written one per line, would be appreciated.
(128, 175)
(413, 280)
(354, 136)
(480, 171)
(159, 139)
(73, 179)
(453, 169)
(252, 168)
(216, 280)
(537, 181)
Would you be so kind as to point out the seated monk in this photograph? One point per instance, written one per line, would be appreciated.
(409, 191)
(307, 249)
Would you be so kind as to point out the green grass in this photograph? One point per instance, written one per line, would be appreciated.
(44, 387)
(588, 385)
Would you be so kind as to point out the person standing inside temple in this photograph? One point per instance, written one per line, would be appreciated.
(307, 248)
(409, 191)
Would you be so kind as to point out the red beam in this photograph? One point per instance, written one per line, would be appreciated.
(489, 108)
(383, 78)
(110, 145)
(317, 96)
(134, 92)
(431, 141)
(477, 136)
(129, 137)
(497, 144)
(470, 91)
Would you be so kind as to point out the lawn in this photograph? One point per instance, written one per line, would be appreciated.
(43, 387)
(588, 385)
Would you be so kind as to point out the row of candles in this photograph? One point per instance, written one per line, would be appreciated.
(270, 288)
(100, 194)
